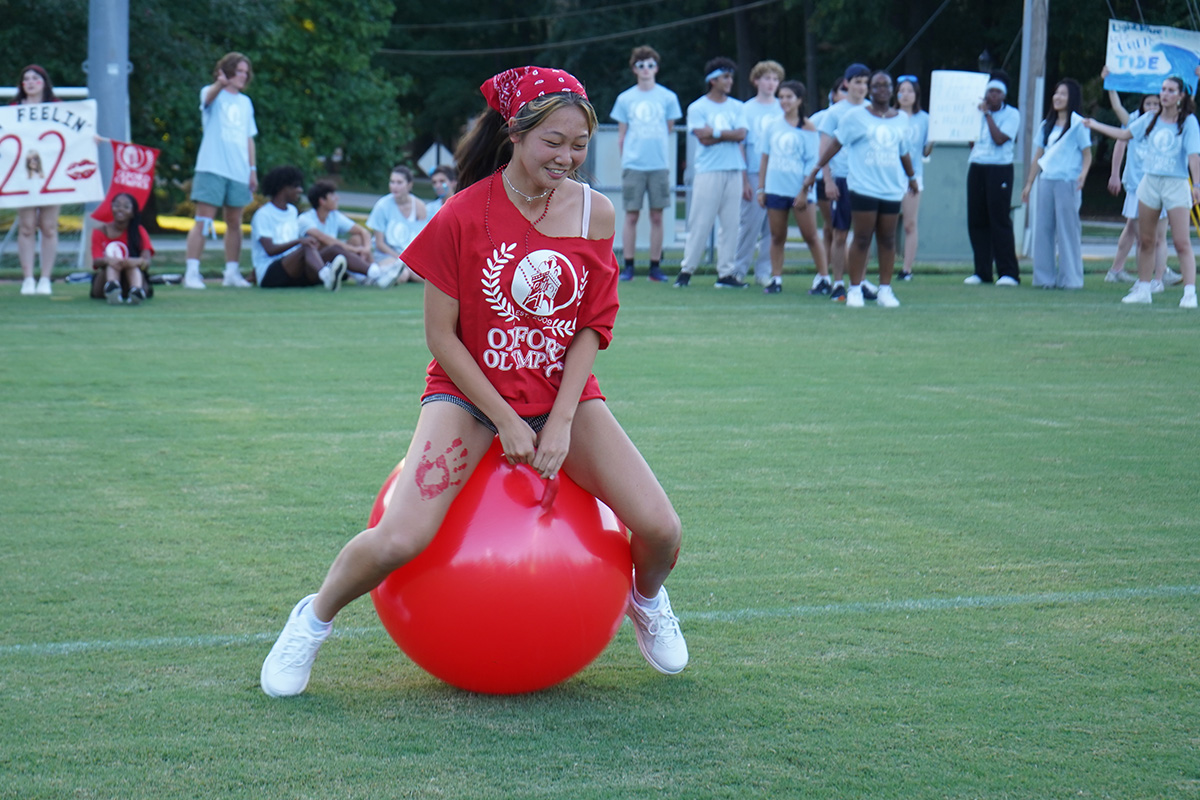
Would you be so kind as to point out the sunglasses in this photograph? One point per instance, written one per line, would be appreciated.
(649, 63)
(910, 78)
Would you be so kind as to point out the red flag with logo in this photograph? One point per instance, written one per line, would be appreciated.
(133, 173)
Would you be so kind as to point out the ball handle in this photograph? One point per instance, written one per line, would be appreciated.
(549, 492)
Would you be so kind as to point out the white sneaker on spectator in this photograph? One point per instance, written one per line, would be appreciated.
(1156, 287)
(886, 298)
(43, 285)
(1188, 301)
(1140, 293)
(973, 280)
(854, 297)
(29, 285)
(193, 280)
(234, 278)
(658, 634)
(1171, 277)
(869, 287)
(1119, 276)
(336, 274)
(388, 274)
(1007, 280)
(287, 667)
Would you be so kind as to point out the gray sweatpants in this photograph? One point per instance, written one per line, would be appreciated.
(1058, 224)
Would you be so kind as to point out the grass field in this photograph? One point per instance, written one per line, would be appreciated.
(943, 551)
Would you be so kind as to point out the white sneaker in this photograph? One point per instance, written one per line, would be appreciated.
(29, 286)
(1156, 287)
(1188, 301)
(658, 634)
(388, 274)
(869, 287)
(854, 297)
(1171, 277)
(973, 280)
(287, 667)
(1140, 293)
(192, 280)
(43, 285)
(1119, 276)
(336, 273)
(886, 298)
(1007, 281)
(234, 278)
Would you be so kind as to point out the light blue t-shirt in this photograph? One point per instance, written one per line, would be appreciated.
(840, 163)
(726, 116)
(277, 224)
(875, 146)
(1166, 150)
(398, 230)
(228, 125)
(759, 117)
(336, 223)
(986, 151)
(918, 137)
(791, 154)
(1062, 154)
(1132, 173)
(646, 114)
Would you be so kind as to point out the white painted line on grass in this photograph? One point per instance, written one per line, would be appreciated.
(739, 615)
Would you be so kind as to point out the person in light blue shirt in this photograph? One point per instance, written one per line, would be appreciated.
(226, 173)
(908, 100)
(761, 111)
(645, 115)
(325, 223)
(876, 137)
(1060, 165)
(283, 255)
(396, 218)
(989, 188)
(719, 125)
(1170, 157)
(856, 78)
(790, 148)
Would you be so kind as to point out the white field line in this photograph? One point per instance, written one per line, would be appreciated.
(738, 615)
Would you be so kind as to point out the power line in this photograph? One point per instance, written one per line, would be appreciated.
(913, 41)
(577, 42)
(428, 26)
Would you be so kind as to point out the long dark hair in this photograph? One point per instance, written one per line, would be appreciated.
(1186, 107)
(48, 95)
(916, 85)
(1074, 105)
(486, 147)
(797, 88)
(133, 234)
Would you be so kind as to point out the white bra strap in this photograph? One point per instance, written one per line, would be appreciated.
(587, 209)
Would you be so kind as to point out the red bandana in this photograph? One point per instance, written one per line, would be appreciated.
(512, 89)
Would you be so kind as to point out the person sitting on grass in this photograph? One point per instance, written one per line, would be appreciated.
(121, 252)
(325, 223)
(282, 257)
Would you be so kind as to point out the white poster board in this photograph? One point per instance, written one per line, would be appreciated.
(954, 99)
(48, 155)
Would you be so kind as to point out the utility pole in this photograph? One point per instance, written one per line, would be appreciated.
(1033, 88)
(108, 69)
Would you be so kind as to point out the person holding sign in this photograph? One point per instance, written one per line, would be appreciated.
(225, 171)
(35, 87)
(989, 188)
(1063, 159)
(1172, 151)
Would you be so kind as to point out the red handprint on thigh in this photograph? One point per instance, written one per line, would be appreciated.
(439, 474)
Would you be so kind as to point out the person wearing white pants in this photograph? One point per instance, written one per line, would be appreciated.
(719, 125)
(762, 111)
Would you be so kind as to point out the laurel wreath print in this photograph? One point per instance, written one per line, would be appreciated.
(499, 303)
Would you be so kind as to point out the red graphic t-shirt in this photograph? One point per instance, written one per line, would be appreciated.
(519, 309)
(104, 247)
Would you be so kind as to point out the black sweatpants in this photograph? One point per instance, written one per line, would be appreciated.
(989, 220)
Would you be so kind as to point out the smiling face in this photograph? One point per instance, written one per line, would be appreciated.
(547, 154)
(34, 85)
(788, 101)
(856, 88)
(240, 76)
(1061, 99)
(723, 83)
(122, 210)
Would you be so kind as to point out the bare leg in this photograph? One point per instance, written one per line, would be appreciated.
(1180, 231)
(304, 263)
(807, 220)
(856, 256)
(27, 224)
(1124, 245)
(354, 262)
(656, 234)
(838, 256)
(195, 237)
(910, 207)
(446, 447)
(777, 219)
(1160, 250)
(233, 234)
(629, 235)
(885, 240)
(606, 463)
(48, 225)
(1147, 229)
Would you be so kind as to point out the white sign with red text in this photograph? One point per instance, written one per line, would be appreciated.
(48, 154)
